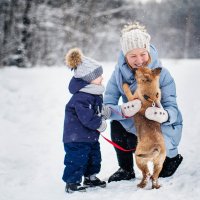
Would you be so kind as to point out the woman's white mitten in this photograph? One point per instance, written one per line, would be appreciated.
(131, 108)
(156, 114)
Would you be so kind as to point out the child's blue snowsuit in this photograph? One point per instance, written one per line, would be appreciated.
(80, 136)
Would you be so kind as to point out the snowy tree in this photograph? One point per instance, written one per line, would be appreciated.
(40, 32)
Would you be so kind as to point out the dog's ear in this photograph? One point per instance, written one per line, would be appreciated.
(156, 71)
(138, 73)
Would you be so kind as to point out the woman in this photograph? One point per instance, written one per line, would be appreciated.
(138, 52)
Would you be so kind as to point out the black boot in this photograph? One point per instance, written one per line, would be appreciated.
(121, 174)
(94, 182)
(73, 187)
(170, 166)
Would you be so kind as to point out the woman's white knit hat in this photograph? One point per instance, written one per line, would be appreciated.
(134, 36)
(84, 67)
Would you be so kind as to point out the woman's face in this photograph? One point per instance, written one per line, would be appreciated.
(137, 58)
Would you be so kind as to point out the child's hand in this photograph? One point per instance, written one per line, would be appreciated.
(105, 112)
(103, 126)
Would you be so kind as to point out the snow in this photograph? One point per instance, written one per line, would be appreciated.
(32, 105)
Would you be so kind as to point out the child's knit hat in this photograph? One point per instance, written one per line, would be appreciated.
(84, 67)
(134, 36)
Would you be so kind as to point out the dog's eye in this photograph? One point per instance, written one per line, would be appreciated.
(148, 80)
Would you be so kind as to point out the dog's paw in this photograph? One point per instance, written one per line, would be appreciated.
(142, 184)
(157, 186)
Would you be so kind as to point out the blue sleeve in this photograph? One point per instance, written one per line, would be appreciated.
(87, 115)
(168, 100)
(111, 98)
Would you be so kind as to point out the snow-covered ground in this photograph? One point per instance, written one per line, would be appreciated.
(32, 105)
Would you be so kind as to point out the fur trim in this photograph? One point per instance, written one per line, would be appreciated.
(73, 58)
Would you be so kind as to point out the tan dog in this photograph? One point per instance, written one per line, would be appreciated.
(151, 146)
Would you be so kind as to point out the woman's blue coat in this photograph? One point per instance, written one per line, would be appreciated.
(172, 129)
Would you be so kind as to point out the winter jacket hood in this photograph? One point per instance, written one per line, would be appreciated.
(171, 129)
(76, 84)
(124, 73)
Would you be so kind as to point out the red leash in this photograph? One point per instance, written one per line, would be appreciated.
(113, 143)
(116, 145)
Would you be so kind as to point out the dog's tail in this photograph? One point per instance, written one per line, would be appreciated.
(154, 152)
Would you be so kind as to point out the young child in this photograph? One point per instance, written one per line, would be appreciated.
(83, 122)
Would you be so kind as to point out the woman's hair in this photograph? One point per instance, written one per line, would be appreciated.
(149, 61)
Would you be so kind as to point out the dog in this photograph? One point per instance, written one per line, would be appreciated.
(151, 146)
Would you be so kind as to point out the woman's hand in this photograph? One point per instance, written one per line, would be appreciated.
(130, 108)
(156, 114)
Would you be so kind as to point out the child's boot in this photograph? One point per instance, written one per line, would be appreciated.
(93, 181)
(73, 187)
